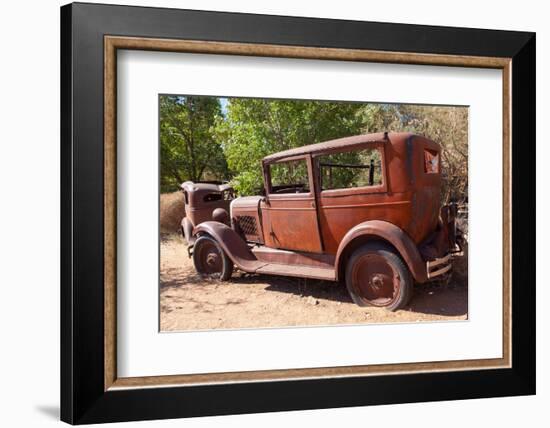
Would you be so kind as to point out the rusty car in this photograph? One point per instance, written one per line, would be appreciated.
(365, 210)
(203, 200)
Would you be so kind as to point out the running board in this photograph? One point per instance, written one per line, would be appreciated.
(298, 271)
(294, 258)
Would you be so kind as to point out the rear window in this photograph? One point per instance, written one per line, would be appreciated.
(212, 197)
(358, 168)
(431, 161)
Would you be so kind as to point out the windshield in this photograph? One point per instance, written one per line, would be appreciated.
(289, 177)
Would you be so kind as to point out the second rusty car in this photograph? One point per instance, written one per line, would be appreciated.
(364, 210)
(204, 200)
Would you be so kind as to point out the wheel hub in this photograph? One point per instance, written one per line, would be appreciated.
(212, 259)
(208, 259)
(375, 280)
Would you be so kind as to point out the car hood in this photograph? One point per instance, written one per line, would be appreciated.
(245, 202)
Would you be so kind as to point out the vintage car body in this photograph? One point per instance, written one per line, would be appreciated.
(378, 225)
(201, 200)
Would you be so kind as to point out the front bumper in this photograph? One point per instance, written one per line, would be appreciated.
(438, 266)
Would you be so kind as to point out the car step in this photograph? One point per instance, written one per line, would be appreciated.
(298, 271)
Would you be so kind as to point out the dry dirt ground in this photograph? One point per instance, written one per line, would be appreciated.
(188, 302)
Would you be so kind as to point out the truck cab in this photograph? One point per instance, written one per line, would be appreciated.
(201, 200)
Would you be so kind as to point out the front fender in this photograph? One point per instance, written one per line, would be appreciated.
(232, 244)
(383, 231)
(187, 231)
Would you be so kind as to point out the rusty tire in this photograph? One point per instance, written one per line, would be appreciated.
(210, 260)
(377, 276)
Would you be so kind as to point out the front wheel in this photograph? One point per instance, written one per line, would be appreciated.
(377, 276)
(210, 260)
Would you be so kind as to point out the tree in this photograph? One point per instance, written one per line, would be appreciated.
(200, 141)
(446, 125)
(254, 128)
(188, 147)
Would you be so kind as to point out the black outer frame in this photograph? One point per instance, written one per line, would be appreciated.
(83, 399)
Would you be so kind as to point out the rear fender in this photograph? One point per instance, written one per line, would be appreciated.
(232, 244)
(377, 230)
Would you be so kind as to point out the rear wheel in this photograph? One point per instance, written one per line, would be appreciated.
(210, 260)
(377, 276)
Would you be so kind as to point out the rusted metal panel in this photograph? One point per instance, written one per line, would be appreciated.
(233, 245)
(326, 146)
(245, 218)
(326, 274)
(202, 198)
(273, 255)
(291, 224)
(274, 262)
(340, 215)
(382, 230)
(187, 231)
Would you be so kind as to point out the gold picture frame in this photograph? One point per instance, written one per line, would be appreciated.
(114, 43)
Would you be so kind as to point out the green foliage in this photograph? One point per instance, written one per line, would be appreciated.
(337, 171)
(201, 141)
(292, 173)
(254, 128)
(188, 147)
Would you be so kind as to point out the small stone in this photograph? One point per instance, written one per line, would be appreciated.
(311, 301)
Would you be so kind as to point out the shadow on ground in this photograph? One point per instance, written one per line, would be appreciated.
(246, 299)
(446, 300)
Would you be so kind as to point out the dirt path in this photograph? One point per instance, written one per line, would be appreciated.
(189, 302)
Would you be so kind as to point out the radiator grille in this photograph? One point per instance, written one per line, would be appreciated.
(247, 224)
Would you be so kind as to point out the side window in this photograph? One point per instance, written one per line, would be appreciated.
(289, 177)
(358, 168)
(431, 161)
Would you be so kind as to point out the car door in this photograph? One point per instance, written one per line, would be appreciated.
(353, 189)
(289, 214)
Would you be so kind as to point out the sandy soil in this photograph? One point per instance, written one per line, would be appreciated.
(189, 302)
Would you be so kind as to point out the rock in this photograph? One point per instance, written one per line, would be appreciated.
(311, 301)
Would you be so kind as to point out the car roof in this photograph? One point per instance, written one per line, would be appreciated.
(205, 185)
(339, 143)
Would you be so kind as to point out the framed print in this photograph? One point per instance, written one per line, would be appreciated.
(266, 213)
